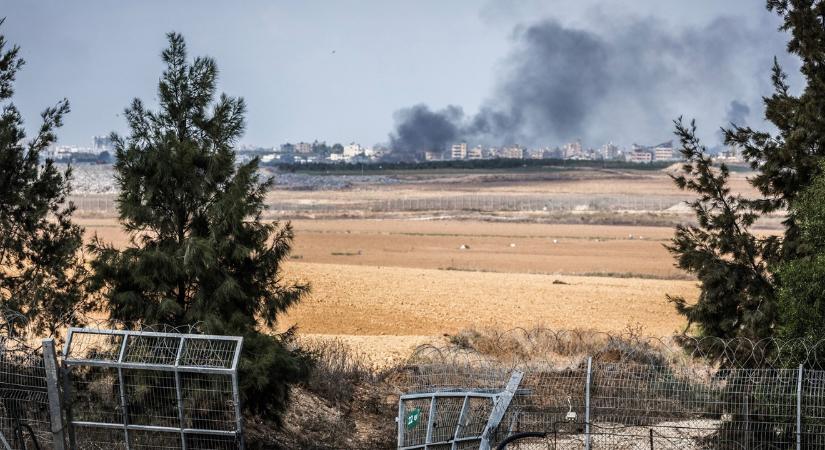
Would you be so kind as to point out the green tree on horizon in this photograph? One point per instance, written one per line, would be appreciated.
(199, 251)
(42, 272)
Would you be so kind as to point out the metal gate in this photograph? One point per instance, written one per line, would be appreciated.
(140, 390)
(453, 419)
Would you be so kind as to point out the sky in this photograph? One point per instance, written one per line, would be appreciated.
(541, 72)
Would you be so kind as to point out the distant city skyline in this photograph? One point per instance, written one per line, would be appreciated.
(342, 71)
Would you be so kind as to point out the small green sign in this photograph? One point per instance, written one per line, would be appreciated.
(413, 417)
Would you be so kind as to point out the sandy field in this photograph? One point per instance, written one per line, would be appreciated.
(484, 246)
(387, 286)
(466, 246)
(359, 300)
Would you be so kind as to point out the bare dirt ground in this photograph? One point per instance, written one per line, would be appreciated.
(387, 285)
(395, 301)
(483, 246)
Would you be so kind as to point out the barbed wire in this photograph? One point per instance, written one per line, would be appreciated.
(625, 389)
(97, 323)
(568, 348)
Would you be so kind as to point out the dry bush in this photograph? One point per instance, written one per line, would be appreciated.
(566, 348)
(345, 403)
(336, 370)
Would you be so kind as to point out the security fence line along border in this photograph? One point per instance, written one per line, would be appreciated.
(627, 404)
(599, 390)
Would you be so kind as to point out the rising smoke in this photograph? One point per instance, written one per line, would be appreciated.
(738, 113)
(625, 83)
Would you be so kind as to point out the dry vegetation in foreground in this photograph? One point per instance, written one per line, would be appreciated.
(347, 403)
(350, 402)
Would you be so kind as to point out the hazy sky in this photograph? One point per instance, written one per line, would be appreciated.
(340, 70)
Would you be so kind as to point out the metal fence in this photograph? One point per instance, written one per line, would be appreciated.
(596, 391)
(492, 203)
(24, 402)
(453, 419)
(136, 390)
(105, 205)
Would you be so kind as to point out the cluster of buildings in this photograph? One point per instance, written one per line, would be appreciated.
(100, 152)
(312, 152)
(571, 150)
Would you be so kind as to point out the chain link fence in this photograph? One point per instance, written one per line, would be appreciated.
(600, 391)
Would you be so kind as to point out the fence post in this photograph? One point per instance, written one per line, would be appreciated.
(55, 405)
(799, 409)
(400, 420)
(747, 414)
(500, 408)
(179, 395)
(431, 421)
(587, 404)
(124, 409)
(236, 397)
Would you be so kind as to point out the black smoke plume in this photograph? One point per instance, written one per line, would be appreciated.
(625, 83)
(738, 113)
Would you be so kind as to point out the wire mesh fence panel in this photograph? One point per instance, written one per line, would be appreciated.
(138, 390)
(590, 390)
(812, 410)
(24, 403)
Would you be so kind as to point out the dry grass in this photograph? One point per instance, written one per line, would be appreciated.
(543, 345)
(345, 403)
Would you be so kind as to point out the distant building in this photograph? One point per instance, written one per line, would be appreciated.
(352, 150)
(659, 152)
(102, 144)
(303, 147)
(555, 152)
(572, 149)
(610, 151)
(459, 151)
(432, 156)
(663, 154)
(730, 154)
(512, 152)
(475, 153)
(537, 153)
(640, 156)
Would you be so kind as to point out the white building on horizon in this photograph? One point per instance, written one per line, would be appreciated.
(352, 150)
(459, 151)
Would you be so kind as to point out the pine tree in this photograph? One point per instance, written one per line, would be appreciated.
(735, 267)
(199, 252)
(737, 294)
(41, 267)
